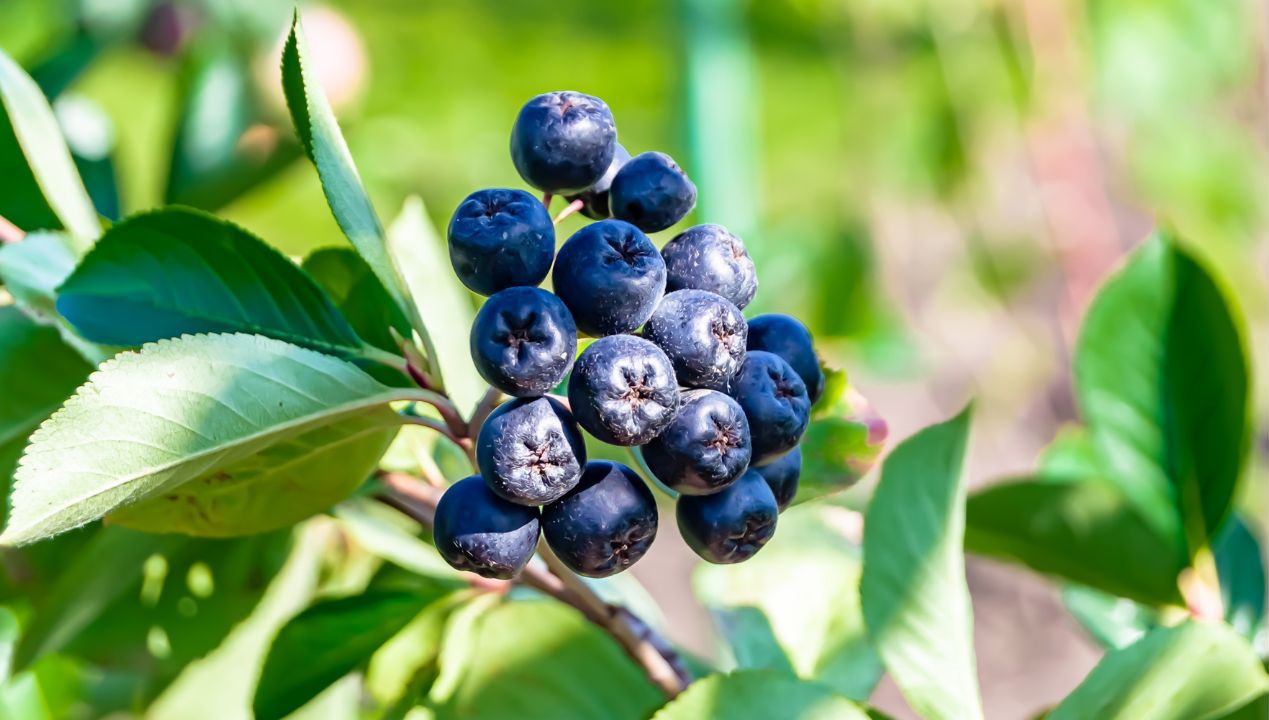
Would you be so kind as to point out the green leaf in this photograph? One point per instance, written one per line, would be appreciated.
(1240, 566)
(43, 189)
(38, 372)
(1162, 382)
(770, 621)
(177, 271)
(1190, 672)
(915, 600)
(207, 435)
(758, 695)
(328, 641)
(358, 294)
(388, 534)
(318, 130)
(424, 261)
(527, 656)
(1114, 622)
(1085, 531)
(51, 690)
(842, 442)
(31, 271)
(407, 664)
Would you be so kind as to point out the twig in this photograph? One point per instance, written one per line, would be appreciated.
(10, 233)
(658, 659)
(487, 404)
(568, 210)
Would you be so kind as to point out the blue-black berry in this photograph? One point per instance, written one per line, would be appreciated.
(563, 142)
(706, 447)
(530, 451)
(709, 257)
(731, 525)
(478, 531)
(610, 276)
(652, 192)
(623, 390)
(782, 477)
(595, 198)
(704, 336)
(523, 341)
(775, 402)
(788, 338)
(501, 238)
(605, 524)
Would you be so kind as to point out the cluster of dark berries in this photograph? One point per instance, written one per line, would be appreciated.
(717, 405)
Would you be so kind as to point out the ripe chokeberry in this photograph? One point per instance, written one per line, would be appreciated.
(705, 448)
(478, 531)
(501, 238)
(775, 402)
(788, 338)
(731, 525)
(595, 198)
(530, 451)
(605, 524)
(782, 476)
(523, 341)
(703, 335)
(652, 192)
(563, 142)
(709, 257)
(623, 390)
(610, 276)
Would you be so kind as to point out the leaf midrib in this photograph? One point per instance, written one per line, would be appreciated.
(279, 430)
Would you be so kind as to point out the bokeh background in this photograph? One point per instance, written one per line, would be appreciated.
(935, 186)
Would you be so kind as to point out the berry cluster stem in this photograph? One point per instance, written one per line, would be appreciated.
(417, 499)
(10, 233)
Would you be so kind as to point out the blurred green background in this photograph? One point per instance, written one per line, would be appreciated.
(936, 188)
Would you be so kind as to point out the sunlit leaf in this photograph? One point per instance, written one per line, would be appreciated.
(759, 695)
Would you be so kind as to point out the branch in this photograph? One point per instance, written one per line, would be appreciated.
(659, 660)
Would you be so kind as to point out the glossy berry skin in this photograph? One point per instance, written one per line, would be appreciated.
(732, 525)
(704, 336)
(709, 257)
(523, 341)
(605, 524)
(501, 238)
(706, 447)
(775, 402)
(563, 142)
(610, 276)
(595, 198)
(530, 451)
(782, 477)
(623, 390)
(787, 337)
(478, 531)
(652, 192)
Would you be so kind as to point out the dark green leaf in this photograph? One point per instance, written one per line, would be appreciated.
(523, 658)
(328, 641)
(759, 695)
(915, 600)
(1193, 671)
(1082, 530)
(1240, 565)
(318, 130)
(1162, 382)
(179, 271)
(43, 191)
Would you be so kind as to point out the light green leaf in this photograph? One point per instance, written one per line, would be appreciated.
(1162, 382)
(1190, 672)
(38, 372)
(447, 313)
(764, 601)
(407, 663)
(48, 691)
(123, 292)
(758, 695)
(1085, 531)
(915, 600)
(1114, 622)
(842, 443)
(318, 130)
(527, 656)
(206, 434)
(390, 535)
(46, 192)
(328, 641)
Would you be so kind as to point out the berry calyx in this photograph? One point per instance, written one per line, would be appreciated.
(605, 524)
(530, 451)
(623, 390)
(705, 448)
(523, 341)
(704, 336)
